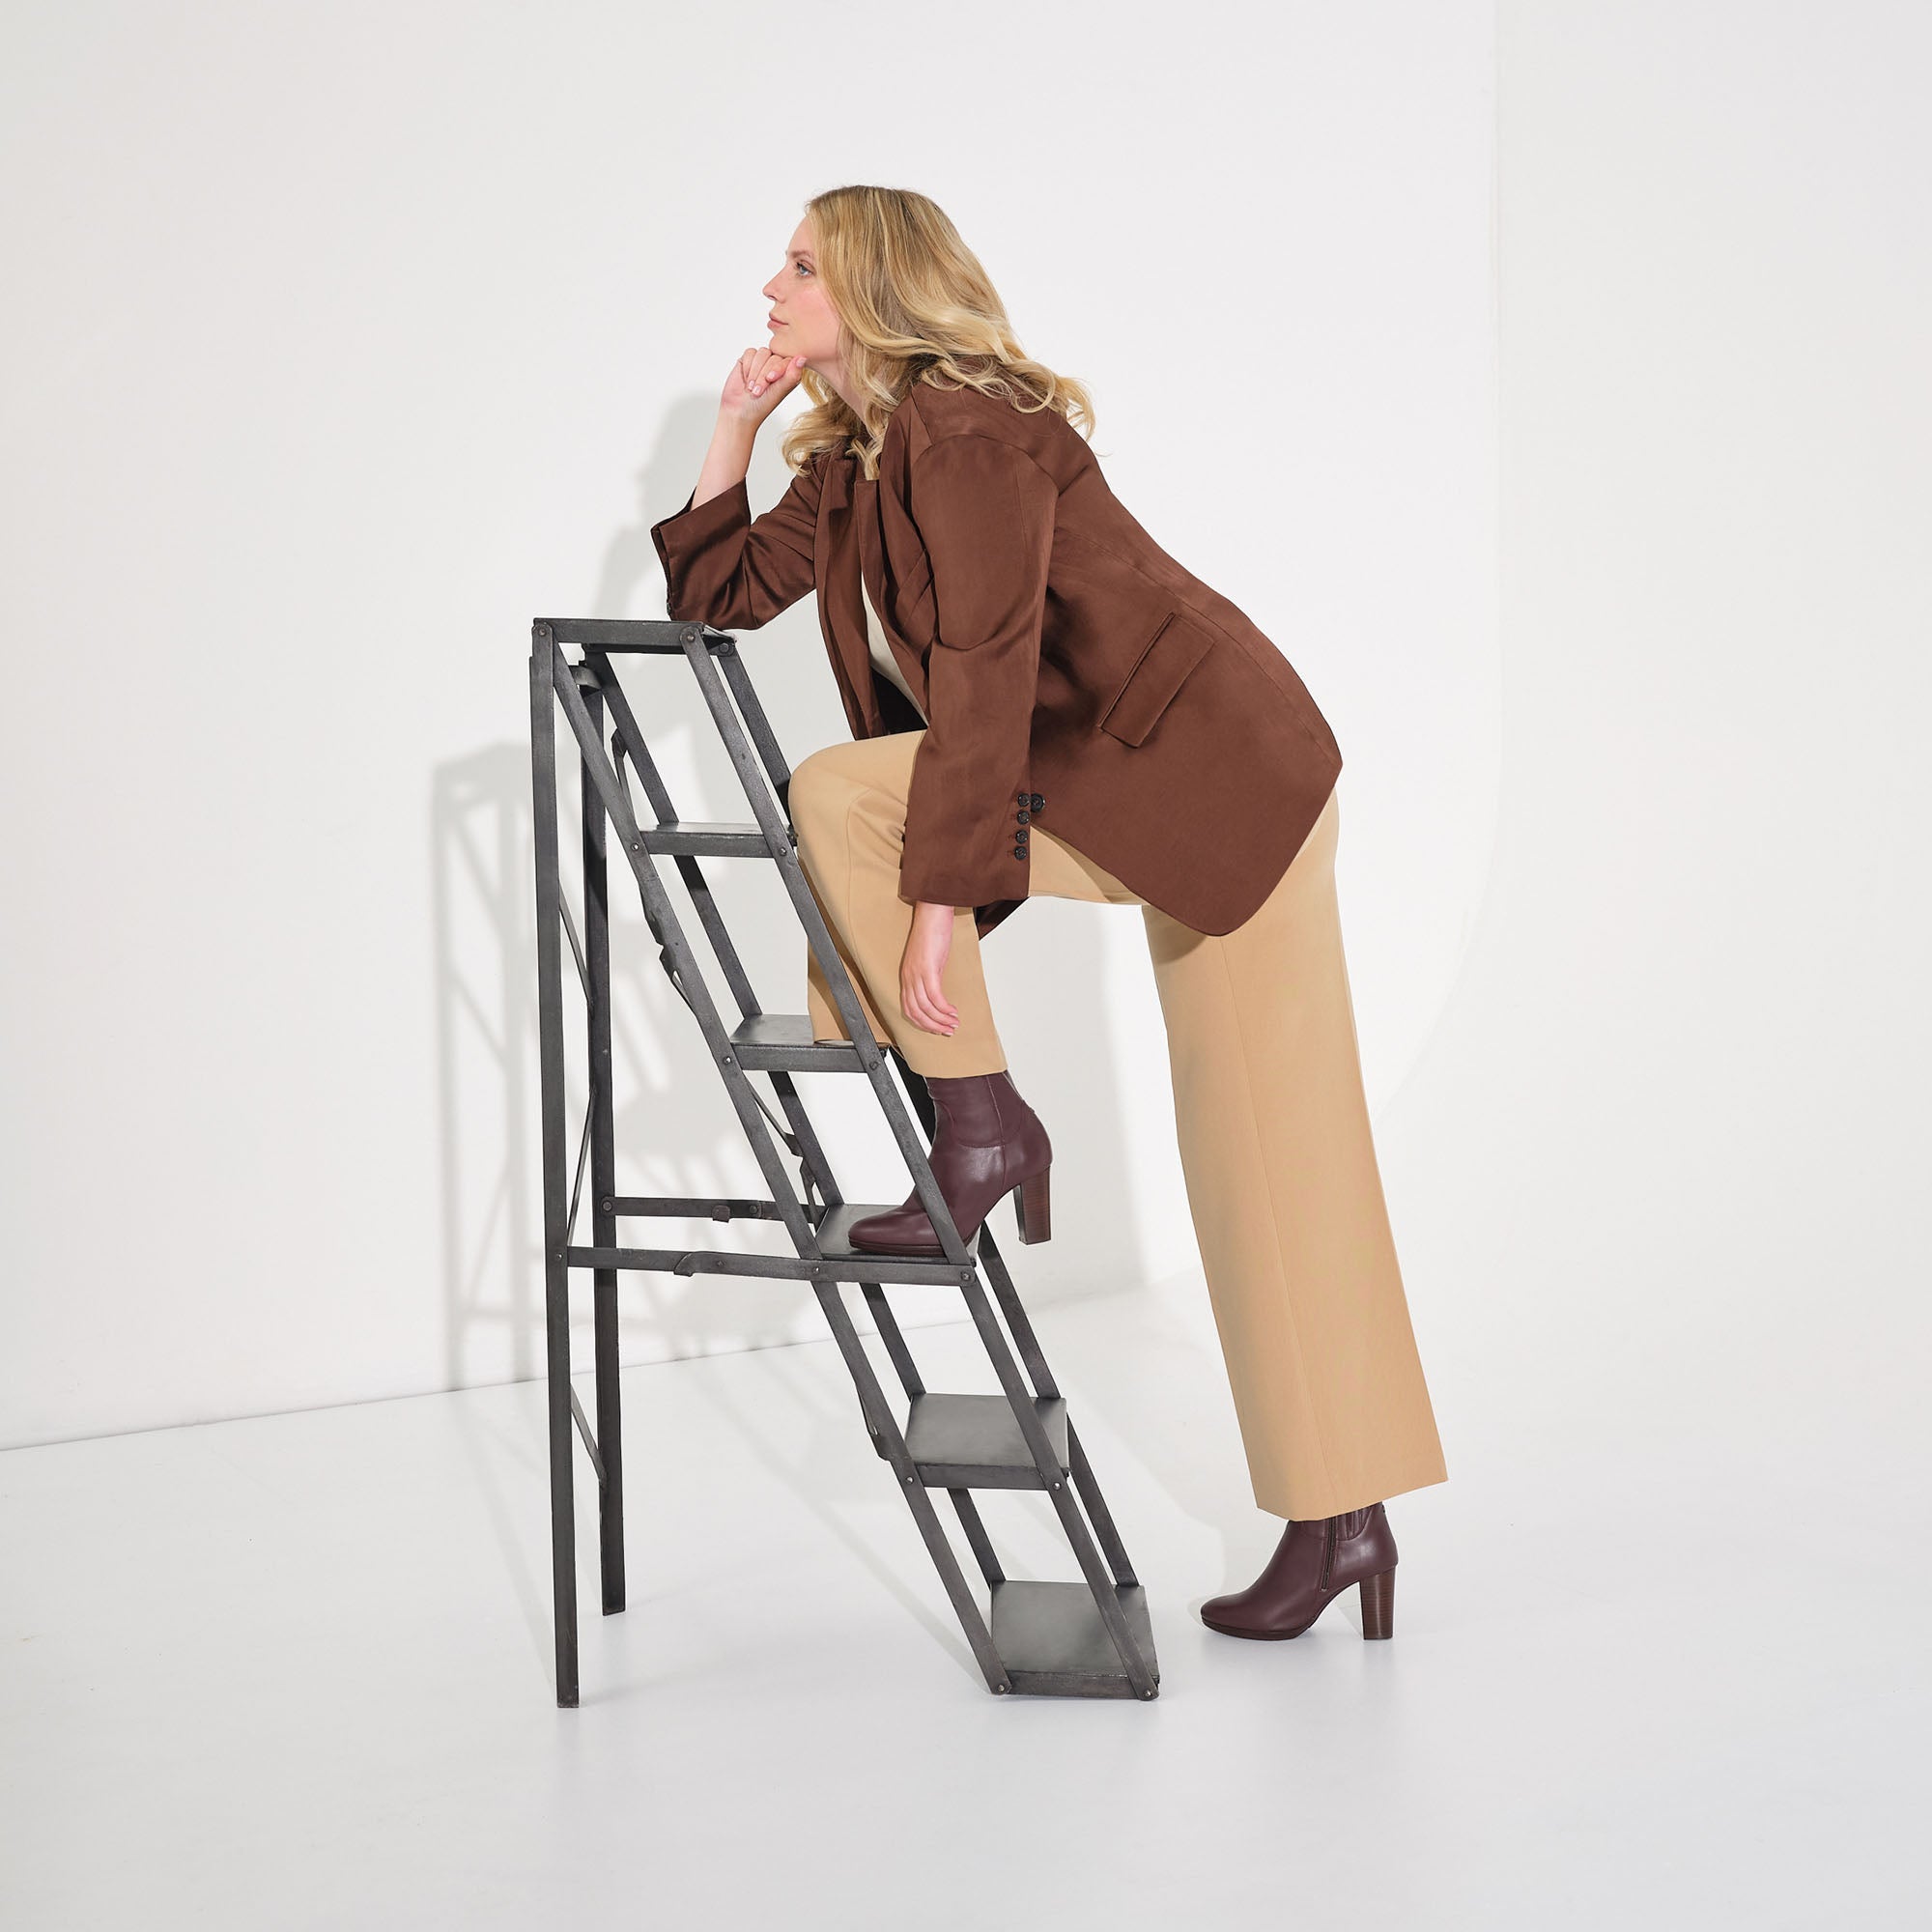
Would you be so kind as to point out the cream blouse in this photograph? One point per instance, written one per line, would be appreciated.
(882, 651)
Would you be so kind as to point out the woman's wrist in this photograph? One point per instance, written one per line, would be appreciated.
(728, 461)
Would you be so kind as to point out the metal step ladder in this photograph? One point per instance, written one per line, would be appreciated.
(1057, 1639)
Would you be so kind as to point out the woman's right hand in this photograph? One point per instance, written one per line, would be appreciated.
(758, 383)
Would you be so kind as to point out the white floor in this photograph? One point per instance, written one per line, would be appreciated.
(295, 1673)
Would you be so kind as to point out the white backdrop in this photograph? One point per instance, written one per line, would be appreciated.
(347, 339)
(1671, 1129)
(344, 342)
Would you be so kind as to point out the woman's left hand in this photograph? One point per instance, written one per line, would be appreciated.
(923, 969)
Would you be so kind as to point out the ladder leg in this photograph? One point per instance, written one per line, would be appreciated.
(603, 1181)
(556, 1271)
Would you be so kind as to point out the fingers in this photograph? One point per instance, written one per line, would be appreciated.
(923, 1001)
(787, 372)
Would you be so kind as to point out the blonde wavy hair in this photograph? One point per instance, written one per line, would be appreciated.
(913, 307)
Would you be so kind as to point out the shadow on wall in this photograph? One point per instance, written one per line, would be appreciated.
(676, 1132)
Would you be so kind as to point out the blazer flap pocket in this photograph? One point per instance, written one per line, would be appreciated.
(1170, 654)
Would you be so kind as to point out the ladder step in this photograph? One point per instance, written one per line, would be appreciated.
(834, 1243)
(720, 838)
(973, 1441)
(784, 1041)
(1053, 1643)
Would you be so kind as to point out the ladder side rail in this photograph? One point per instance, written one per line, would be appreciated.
(938, 1547)
(918, 1096)
(968, 1511)
(817, 1185)
(756, 723)
(599, 674)
(782, 842)
(725, 653)
(596, 873)
(601, 677)
(895, 1346)
(894, 1337)
(733, 669)
(1020, 1323)
(812, 1157)
(664, 918)
(964, 1506)
(777, 837)
(1098, 1580)
(778, 831)
(591, 1098)
(1115, 1550)
(557, 1269)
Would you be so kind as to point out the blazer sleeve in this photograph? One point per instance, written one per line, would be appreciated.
(726, 569)
(985, 513)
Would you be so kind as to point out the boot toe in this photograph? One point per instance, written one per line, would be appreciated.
(1224, 1615)
(896, 1233)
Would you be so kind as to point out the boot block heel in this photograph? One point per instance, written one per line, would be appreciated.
(1378, 1604)
(1031, 1207)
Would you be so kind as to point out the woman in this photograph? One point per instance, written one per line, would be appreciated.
(1013, 651)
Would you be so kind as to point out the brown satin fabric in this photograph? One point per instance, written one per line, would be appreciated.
(1270, 1115)
(1056, 648)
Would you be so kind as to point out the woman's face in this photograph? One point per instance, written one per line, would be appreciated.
(803, 321)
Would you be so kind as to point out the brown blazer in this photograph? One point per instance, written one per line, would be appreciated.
(1071, 670)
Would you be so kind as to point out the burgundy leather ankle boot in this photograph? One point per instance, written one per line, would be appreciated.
(986, 1142)
(1311, 1564)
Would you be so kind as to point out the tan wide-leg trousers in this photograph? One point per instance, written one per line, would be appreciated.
(1271, 1119)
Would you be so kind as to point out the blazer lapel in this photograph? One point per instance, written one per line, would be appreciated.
(841, 611)
(862, 527)
(871, 509)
